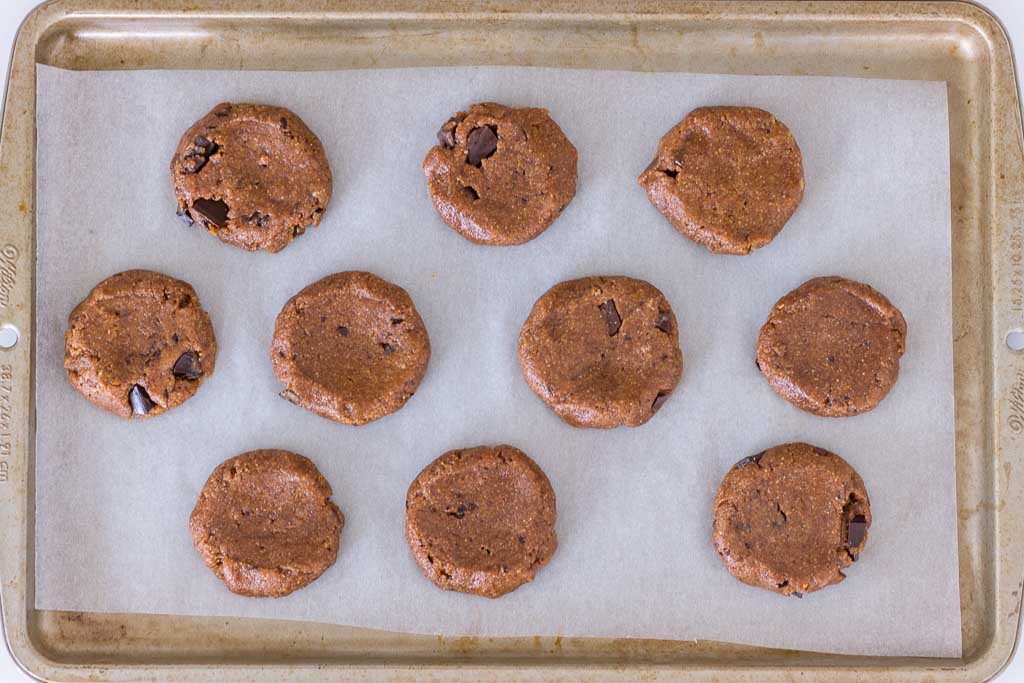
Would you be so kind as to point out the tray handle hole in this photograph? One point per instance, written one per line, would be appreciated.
(8, 336)
(1015, 340)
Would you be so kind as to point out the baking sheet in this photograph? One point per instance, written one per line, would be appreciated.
(635, 559)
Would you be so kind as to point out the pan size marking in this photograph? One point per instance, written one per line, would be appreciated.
(6, 391)
(8, 273)
(1016, 244)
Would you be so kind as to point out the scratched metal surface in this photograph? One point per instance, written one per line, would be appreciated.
(953, 42)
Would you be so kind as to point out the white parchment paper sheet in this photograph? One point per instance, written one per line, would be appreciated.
(634, 505)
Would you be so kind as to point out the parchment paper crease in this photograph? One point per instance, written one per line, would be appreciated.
(635, 558)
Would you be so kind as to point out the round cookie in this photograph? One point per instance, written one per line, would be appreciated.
(500, 175)
(350, 347)
(602, 351)
(832, 347)
(265, 525)
(481, 520)
(790, 519)
(727, 177)
(252, 174)
(139, 344)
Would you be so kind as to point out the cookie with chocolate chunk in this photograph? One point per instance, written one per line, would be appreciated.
(350, 347)
(265, 524)
(481, 520)
(727, 177)
(832, 347)
(500, 175)
(791, 519)
(602, 351)
(139, 344)
(252, 174)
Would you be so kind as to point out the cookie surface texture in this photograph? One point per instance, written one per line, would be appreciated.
(481, 520)
(602, 351)
(252, 174)
(727, 177)
(832, 347)
(139, 344)
(350, 347)
(791, 519)
(500, 175)
(265, 525)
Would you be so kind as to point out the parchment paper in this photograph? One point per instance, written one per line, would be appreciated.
(634, 505)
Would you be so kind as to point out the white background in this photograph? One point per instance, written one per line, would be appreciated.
(13, 10)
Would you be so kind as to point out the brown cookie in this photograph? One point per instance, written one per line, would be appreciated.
(139, 344)
(350, 347)
(501, 175)
(832, 347)
(253, 175)
(602, 351)
(481, 520)
(791, 519)
(727, 177)
(265, 524)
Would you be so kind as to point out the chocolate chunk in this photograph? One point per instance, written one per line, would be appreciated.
(187, 366)
(284, 123)
(522, 538)
(388, 348)
(659, 401)
(211, 211)
(290, 396)
(463, 508)
(197, 156)
(670, 172)
(821, 451)
(184, 215)
(343, 331)
(260, 219)
(140, 400)
(797, 595)
(611, 316)
(855, 530)
(481, 143)
(446, 135)
(663, 322)
(749, 460)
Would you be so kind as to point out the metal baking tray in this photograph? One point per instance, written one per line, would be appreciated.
(953, 42)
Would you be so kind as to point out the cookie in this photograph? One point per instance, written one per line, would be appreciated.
(500, 175)
(790, 519)
(139, 344)
(602, 351)
(350, 347)
(727, 177)
(253, 175)
(832, 347)
(481, 520)
(265, 525)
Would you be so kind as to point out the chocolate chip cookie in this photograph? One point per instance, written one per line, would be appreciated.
(139, 344)
(500, 175)
(602, 351)
(253, 175)
(350, 347)
(481, 520)
(265, 525)
(727, 177)
(832, 347)
(791, 519)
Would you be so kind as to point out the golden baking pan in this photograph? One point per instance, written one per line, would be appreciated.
(947, 41)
